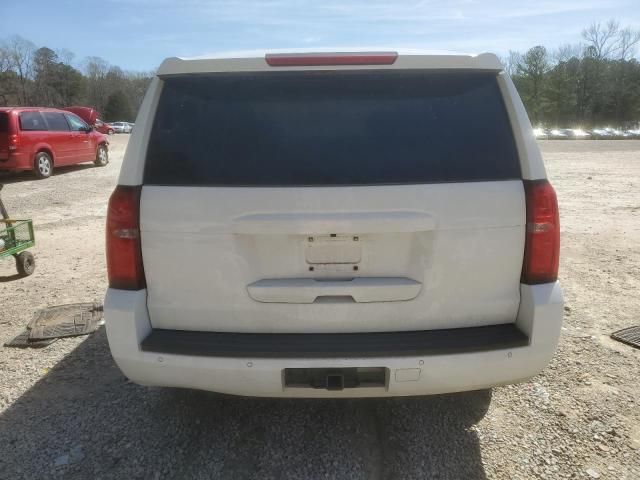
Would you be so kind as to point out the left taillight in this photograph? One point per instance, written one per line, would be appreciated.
(14, 142)
(124, 251)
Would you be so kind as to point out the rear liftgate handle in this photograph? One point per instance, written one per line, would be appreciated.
(360, 289)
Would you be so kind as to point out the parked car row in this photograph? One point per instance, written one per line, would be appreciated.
(91, 116)
(39, 139)
(580, 134)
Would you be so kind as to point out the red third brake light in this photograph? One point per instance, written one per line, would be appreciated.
(124, 254)
(317, 59)
(542, 244)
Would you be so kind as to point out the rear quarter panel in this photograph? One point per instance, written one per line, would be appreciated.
(133, 164)
(531, 164)
(31, 143)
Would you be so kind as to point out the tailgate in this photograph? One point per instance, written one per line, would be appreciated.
(240, 260)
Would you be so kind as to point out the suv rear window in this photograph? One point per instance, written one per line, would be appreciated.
(330, 128)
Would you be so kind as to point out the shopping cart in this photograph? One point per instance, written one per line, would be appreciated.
(16, 236)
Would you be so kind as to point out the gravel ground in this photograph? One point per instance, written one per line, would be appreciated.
(67, 412)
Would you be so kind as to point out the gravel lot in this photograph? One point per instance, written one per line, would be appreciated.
(66, 411)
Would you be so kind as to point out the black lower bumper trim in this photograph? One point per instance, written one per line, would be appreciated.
(338, 345)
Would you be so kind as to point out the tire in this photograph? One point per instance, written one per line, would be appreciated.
(43, 165)
(111, 132)
(25, 263)
(102, 156)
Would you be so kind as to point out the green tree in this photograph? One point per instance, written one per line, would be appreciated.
(8, 78)
(532, 69)
(137, 84)
(624, 93)
(56, 84)
(592, 88)
(9, 88)
(118, 107)
(45, 61)
(558, 104)
(69, 85)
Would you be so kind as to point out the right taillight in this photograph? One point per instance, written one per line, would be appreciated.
(542, 244)
(124, 252)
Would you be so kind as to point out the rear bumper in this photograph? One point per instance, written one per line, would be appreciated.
(421, 363)
(334, 345)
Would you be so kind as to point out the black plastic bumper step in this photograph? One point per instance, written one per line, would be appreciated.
(340, 345)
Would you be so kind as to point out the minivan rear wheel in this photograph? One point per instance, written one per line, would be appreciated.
(102, 156)
(43, 165)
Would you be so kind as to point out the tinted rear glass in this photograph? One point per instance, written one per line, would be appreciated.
(56, 121)
(330, 128)
(4, 122)
(32, 121)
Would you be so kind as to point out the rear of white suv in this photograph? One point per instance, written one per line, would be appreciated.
(313, 225)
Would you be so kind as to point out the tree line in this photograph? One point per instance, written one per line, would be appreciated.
(592, 83)
(41, 76)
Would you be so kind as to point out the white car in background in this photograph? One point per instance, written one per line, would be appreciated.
(121, 127)
(559, 134)
(579, 134)
(314, 225)
(541, 133)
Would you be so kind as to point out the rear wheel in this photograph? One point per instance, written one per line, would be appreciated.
(102, 156)
(25, 263)
(43, 165)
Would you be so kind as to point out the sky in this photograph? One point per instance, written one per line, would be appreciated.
(139, 34)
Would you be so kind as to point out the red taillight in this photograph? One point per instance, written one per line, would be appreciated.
(542, 244)
(317, 59)
(124, 253)
(14, 142)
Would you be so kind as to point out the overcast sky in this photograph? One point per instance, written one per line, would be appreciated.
(138, 34)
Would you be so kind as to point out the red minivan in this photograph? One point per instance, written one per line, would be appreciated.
(38, 139)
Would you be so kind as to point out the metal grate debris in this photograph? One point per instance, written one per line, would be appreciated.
(65, 321)
(22, 341)
(52, 323)
(630, 336)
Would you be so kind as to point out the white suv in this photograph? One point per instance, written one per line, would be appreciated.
(333, 225)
